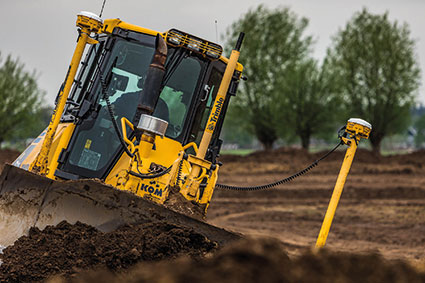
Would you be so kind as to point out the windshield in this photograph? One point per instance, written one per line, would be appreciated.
(127, 83)
(177, 95)
(128, 79)
(95, 143)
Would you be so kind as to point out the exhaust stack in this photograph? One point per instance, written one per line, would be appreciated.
(148, 98)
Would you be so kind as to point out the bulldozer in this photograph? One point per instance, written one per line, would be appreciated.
(134, 135)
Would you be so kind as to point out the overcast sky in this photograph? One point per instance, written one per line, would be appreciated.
(42, 33)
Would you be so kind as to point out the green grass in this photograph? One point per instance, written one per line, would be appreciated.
(315, 149)
(241, 152)
(386, 152)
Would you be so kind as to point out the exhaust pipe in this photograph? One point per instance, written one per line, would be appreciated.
(148, 98)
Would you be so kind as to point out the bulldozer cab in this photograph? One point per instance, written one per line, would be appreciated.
(121, 61)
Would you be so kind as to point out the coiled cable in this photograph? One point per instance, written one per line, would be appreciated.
(282, 181)
(179, 173)
(104, 90)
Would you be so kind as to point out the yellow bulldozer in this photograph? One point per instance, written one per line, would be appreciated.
(134, 134)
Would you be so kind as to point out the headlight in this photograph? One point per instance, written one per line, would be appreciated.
(194, 44)
(174, 37)
(177, 38)
(214, 51)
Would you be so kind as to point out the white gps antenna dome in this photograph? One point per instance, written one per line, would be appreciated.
(90, 15)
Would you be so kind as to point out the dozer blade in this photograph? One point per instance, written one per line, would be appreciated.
(28, 200)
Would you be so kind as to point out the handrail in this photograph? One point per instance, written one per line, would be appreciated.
(124, 123)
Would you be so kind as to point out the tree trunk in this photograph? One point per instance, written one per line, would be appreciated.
(266, 135)
(376, 147)
(305, 141)
(375, 140)
(268, 145)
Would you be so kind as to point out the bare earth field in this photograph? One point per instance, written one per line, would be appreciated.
(382, 208)
(378, 226)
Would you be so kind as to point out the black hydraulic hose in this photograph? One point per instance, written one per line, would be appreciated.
(112, 115)
(114, 122)
(104, 89)
(282, 181)
(151, 176)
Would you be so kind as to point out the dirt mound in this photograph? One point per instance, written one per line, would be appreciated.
(266, 261)
(66, 249)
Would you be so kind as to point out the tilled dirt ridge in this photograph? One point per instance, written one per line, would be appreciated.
(264, 261)
(67, 249)
(288, 160)
(382, 207)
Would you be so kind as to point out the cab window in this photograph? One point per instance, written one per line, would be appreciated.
(177, 95)
(206, 105)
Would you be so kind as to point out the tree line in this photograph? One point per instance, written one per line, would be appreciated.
(22, 114)
(370, 71)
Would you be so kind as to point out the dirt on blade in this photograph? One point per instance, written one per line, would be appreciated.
(66, 249)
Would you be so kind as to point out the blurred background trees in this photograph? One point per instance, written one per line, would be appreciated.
(21, 114)
(309, 105)
(274, 43)
(374, 61)
(370, 72)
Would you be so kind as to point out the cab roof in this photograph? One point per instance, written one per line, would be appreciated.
(110, 24)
